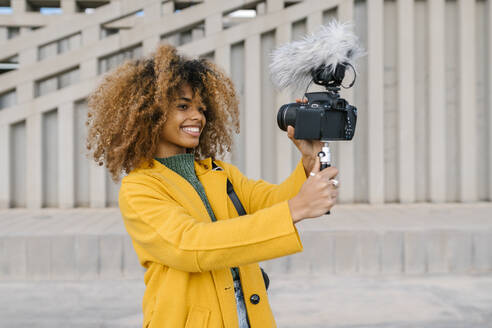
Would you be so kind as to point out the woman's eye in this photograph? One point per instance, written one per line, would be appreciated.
(202, 109)
(183, 106)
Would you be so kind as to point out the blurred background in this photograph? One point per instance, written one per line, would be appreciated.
(413, 232)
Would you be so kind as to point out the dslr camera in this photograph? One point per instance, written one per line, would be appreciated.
(326, 116)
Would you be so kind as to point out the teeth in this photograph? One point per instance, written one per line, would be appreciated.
(194, 130)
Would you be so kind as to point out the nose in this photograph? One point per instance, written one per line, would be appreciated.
(196, 113)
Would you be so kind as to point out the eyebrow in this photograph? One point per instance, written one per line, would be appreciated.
(185, 99)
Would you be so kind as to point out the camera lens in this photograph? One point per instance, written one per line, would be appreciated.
(286, 116)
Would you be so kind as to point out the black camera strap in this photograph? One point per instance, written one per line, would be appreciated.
(240, 210)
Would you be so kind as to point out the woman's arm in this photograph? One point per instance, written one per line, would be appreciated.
(164, 232)
(259, 194)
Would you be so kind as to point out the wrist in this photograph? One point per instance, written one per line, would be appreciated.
(296, 210)
(308, 163)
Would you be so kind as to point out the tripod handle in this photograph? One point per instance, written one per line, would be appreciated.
(322, 167)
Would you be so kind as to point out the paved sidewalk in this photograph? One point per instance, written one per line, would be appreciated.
(297, 301)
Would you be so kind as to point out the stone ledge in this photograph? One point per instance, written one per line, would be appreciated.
(416, 239)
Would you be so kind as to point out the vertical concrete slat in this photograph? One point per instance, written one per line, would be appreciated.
(375, 101)
(4, 166)
(314, 21)
(18, 164)
(68, 6)
(274, 5)
(489, 79)
(97, 186)
(50, 171)
(467, 107)
(149, 45)
(437, 100)
(346, 152)
(19, 6)
(237, 69)
(152, 10)
(213, 24)
(34, 161)
(406, 101)
(253, 106)
(66, 155)
(223, 60)
(167, 8)
(284, 167)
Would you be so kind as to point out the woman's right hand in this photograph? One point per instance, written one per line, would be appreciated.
(317, 195)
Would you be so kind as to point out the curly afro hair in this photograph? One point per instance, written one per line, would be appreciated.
(129, 108)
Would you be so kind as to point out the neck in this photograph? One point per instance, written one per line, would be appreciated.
(164, 151)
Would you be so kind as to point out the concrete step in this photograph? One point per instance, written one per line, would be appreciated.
(301, 301)
(88, 244)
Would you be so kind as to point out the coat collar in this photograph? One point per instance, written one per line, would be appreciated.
(201, 167)
(214, 183)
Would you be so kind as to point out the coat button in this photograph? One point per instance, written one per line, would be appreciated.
(254, 299)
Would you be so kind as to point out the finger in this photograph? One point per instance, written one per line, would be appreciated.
(298, 100)
(330, 172)
(315, 169)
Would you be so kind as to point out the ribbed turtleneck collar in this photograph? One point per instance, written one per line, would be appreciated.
(183, 164)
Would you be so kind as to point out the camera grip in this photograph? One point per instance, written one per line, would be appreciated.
(322, 167)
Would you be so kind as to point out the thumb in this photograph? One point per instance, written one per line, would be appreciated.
(316, 166)
(290, 132)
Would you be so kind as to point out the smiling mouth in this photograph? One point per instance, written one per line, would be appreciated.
(194, 131)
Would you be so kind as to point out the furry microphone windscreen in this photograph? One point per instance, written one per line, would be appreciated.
(332, 44)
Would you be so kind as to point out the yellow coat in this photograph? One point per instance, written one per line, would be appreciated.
(188, 257)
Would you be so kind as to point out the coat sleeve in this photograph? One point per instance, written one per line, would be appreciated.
(162, 231)
(259, 194)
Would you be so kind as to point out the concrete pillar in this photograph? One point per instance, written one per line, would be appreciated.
(88, 69)
(4, 165)
(152, 10)
(213, 24)
(489, 15)
(19, 6)
(4, 34)
(437, 101)
(406, 98)
(28, 56)
(223, 60)
(467, 106)
(24, 30)
(149, 45)
(90, 34)
(252, 100)
(346, 151)
(97, 185)
(261, 9)
(25, 92)
(34, 161)
(197, 34)
(68, 6)
(167, 8)
(66, 155)
(284, 148)
(375, 101)
(274, 5)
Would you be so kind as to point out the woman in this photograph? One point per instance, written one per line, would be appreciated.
(162, 121)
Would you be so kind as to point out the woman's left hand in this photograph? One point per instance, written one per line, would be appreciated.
(308, 148)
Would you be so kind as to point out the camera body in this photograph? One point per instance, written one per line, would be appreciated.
(326, 116)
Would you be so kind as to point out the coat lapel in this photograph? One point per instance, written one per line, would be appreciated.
(215, 185)
(182, 191)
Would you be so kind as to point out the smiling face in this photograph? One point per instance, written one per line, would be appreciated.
(184, 124)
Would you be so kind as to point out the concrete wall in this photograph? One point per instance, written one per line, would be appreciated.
(423, 94)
